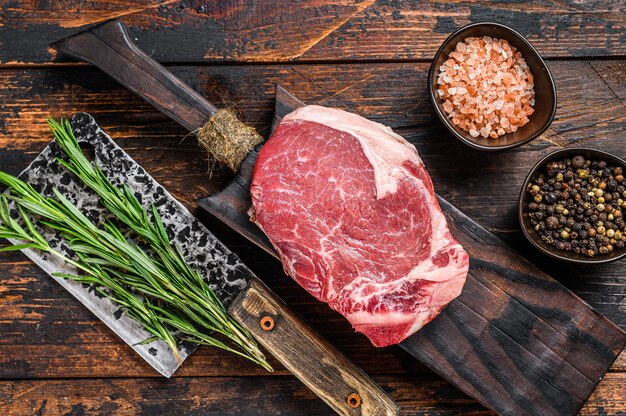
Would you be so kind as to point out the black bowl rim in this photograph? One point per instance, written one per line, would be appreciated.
(520, 207)
(444, 118)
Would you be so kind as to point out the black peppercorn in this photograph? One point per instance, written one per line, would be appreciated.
(550, 198)
(578, 205)
(578, 162)
(552, 222)
(552, 169)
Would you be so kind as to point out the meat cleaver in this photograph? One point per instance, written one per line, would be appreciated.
(328, 373)
(515, 340)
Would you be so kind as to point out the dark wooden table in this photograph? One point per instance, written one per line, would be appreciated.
(368, 56)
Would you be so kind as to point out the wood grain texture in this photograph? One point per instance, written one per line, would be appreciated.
(331, 376)
(109, 47)
(282, 30)
(248, 396)
(45, 337)
(515, 339)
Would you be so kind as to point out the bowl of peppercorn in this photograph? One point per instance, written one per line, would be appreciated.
(572, 206)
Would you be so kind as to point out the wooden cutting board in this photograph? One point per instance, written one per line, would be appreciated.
(516, 340)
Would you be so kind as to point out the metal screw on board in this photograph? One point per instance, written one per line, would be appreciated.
(267, 323)
(354, 400)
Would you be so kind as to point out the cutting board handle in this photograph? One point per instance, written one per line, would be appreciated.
(336, 380)
(109, 47)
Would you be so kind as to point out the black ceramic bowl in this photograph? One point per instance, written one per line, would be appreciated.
(524, 199)
(545, 92)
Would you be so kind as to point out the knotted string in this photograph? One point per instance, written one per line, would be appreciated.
(227, 139)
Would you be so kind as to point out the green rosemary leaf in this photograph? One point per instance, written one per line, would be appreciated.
(19, 247)
(159, 224)
(129, 274)
(146, 341)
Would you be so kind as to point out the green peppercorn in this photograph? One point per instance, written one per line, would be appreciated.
(601, 200)
(618, 235)
(582, 173)
(559, 177)
(599, 192)
(610, 217)
(565, 211)
(610, 233)
(599, 207)
(537, 198)
(534, 189)
(564, 235)
(601, 230)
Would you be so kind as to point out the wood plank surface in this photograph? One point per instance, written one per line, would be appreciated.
(594, 116)
(57, 358)
(248, 396)
(282, 30)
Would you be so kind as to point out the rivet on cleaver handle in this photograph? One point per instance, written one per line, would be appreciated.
(109, 47)
(336, 380)
(329, 374)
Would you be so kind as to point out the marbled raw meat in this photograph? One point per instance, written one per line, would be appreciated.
(351, 210)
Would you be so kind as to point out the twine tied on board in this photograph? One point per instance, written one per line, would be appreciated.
(227, 139)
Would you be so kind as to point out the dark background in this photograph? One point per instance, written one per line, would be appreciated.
(371, 57)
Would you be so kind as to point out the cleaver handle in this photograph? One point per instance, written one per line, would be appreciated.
(109, 47)
(327, 372)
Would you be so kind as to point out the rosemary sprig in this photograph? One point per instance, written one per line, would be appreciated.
(182, 299)
(138, 308)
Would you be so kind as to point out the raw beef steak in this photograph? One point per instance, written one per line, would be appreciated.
(351, 210)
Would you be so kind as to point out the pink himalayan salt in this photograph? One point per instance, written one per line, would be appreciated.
(486, 87)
